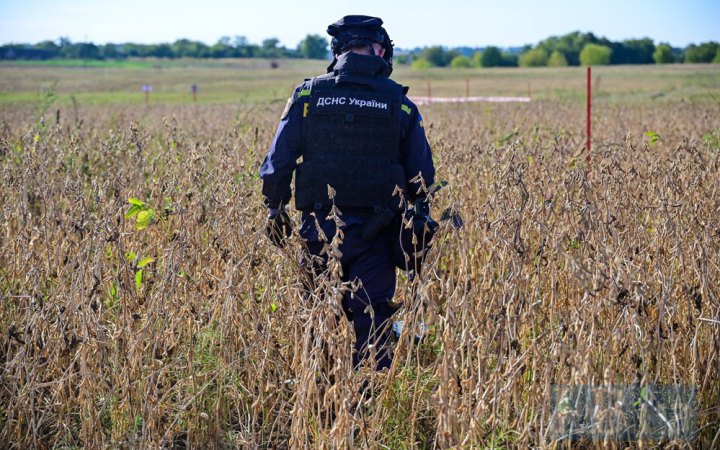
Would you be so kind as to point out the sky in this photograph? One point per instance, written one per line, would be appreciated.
(418, 23)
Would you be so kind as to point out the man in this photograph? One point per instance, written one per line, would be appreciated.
(363, 150)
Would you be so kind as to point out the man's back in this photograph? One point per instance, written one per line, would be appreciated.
(363, 150)
(352, 139)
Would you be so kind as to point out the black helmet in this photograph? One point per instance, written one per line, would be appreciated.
(355, 31)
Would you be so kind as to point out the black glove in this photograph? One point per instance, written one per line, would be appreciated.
(424, 225)
(422, 208)
(278, 227)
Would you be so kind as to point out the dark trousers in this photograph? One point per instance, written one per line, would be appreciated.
(370, 263)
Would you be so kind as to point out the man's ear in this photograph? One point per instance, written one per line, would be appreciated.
(379, 50)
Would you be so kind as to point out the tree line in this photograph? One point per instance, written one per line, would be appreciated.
(572, 49)
(312, 46)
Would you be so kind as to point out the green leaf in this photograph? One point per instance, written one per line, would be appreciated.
(132, 211)
(643, 396)
(136, 202)
(654, 137)
(273, 307)
(144, 262)
(144, 219)
(130, 256)
(138, 278)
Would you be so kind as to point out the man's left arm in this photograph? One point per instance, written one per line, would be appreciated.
(415, 153)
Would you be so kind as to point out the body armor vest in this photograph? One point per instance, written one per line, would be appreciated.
(352, 144)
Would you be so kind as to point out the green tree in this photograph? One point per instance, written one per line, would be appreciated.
(450, 55)
(716, 59)
(401, 59)
(421, 64)
(164, 51)
(110, 51)
(460, 62)
(557, 59)
(534, 58)
(491, 57)
(88, 50)
(185, 48)
(222, 48)
(595, 55)
(270, 48)
(663, 54)
(52, 49)
(509, 59)
(313, 46)
(43, 50)
(632, 51)
(703, 53)
(434, 55)
(67, 50)
(477, 59)
(243, 48)
(570, 45)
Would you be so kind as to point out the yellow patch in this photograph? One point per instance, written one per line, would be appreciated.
(305, 109)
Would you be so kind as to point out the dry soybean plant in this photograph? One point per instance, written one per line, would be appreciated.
(142, 305)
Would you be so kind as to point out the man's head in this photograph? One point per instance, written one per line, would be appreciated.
(372, 49)
(358, 32)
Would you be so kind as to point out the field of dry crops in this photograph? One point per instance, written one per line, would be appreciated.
(183, 327)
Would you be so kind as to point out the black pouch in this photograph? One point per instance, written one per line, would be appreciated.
(376, 222)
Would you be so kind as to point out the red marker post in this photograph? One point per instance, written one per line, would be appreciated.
(589, 97)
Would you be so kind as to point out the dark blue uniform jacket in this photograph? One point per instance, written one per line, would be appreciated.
(287, 147)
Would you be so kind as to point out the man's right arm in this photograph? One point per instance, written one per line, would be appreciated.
(281, 160)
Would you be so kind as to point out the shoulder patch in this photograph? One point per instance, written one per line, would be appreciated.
(288, 105)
